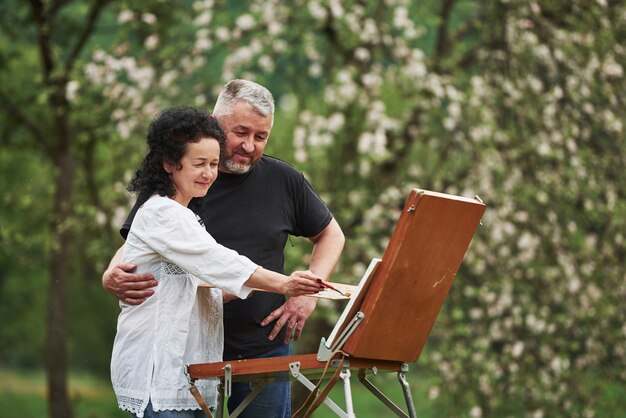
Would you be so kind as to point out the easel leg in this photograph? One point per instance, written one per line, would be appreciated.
(219, 412)
(345, 376)
(407, 391)
(295, 372)
(384, 399)
(256, 389)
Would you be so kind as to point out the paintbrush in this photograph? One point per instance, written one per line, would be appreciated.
(330, 287)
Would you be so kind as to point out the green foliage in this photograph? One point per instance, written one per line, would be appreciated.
(22, 242)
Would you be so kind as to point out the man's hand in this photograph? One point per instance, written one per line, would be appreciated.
(128, 287)
(293, 314)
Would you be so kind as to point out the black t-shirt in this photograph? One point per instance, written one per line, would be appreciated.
(254, 214)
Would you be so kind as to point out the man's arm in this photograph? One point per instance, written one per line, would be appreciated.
(327, 248)
(126, 286)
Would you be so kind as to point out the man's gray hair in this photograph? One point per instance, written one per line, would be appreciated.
(237, 90)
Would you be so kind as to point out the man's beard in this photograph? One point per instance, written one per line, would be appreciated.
(236, 168)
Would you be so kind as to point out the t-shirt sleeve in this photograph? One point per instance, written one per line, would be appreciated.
(129, 220)
(312, 214)
(176, 235)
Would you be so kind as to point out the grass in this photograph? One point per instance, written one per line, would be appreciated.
(23, 395)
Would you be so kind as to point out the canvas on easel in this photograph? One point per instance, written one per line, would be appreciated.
(356, 298)
(401, 297)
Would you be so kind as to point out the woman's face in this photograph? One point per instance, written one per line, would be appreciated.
(198, 170)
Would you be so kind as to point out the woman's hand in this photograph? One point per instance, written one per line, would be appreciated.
(301, 283)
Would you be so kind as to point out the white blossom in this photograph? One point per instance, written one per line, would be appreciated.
(336, 8)
(433, 392)
(335, 122)
(149, 18)
(558, 364)
(203, 5)
(315, 69)
(124, 16)
(301, 155)
(362, 54)
(200, 100)
(274, 28)
(266, 63)
(369, 31)
(317, 11)
(222, 34)
(71, 89)
(204, 18)
(245, 22)
(518, 349)
(476, 412)
(100, 218)
(151, 41)
(203, 43)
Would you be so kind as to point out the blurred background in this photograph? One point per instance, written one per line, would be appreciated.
(518, 101)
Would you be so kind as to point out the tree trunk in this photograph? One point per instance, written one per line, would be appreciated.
(59, 405)
(56, 72)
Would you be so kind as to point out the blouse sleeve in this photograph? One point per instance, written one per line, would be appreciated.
(174, 232)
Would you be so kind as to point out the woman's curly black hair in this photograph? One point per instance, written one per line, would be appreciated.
(168, 135)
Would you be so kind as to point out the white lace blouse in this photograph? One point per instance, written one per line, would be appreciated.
(180, 324)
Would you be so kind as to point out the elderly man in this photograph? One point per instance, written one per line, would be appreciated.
(254, 205)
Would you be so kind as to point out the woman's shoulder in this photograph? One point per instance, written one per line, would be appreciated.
(159, 208)
(158, 201)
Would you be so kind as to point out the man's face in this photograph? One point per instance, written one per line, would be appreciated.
(247, 132)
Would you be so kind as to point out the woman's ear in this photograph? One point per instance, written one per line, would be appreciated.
(168, 168)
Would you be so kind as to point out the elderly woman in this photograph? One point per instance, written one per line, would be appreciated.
(181, 323)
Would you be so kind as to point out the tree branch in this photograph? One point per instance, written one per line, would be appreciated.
(55, 6)
(18, 116)
(442, 45)
(43, 38)
(92, 18)
(90, 168)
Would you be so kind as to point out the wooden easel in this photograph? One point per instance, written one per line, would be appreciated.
(389, 317)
